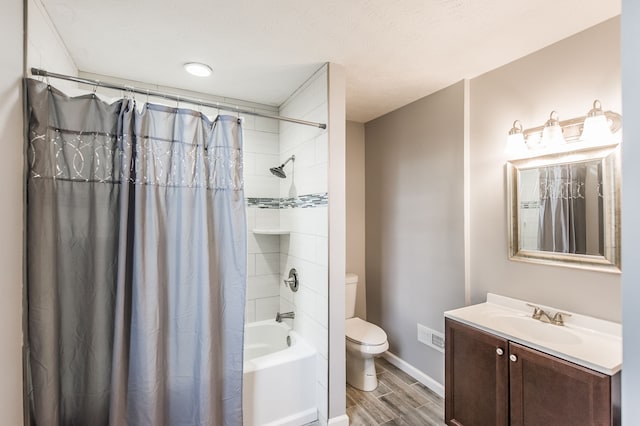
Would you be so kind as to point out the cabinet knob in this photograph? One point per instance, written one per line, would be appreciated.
(513, 358)
(499, 351)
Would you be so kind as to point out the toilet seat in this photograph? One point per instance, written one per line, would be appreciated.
(365, 333)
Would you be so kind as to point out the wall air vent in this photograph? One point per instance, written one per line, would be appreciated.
(431, 337)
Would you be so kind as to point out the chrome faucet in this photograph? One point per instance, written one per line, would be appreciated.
(280, 317)
(541, 315)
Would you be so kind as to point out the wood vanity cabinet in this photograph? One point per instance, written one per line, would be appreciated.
(492, 381)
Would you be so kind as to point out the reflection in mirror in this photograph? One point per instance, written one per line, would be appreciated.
(560, 208)
(564, 209)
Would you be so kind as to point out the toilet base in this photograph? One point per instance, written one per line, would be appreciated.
(361, 372)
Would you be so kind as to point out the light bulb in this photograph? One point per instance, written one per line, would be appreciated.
(552, 133)
(596, 129)
(515, 141)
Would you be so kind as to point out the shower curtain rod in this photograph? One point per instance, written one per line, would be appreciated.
(172, 97)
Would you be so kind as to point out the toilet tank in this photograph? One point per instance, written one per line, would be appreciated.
(351, 287)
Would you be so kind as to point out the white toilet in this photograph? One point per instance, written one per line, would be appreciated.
(364, 342)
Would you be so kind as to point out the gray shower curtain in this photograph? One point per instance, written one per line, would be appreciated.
(136, 263)
(562, 225)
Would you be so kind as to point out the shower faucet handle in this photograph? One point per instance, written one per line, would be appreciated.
(293, 280)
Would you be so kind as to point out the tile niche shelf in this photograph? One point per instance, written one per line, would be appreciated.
(270, 231)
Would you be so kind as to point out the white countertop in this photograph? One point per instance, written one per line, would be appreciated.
(583, 340)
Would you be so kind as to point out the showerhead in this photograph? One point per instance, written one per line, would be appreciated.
(279, 171)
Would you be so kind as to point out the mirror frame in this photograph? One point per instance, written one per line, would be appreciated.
(611, 179)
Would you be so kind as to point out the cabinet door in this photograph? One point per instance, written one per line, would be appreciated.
(546, 390)
(476, 377)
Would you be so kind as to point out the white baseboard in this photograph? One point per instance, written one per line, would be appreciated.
(414, 372)
(342, 420)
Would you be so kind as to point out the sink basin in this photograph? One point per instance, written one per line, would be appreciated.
(535, 330)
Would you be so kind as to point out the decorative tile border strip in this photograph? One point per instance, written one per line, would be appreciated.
(264, 203)
(301, 202)
(305, 201)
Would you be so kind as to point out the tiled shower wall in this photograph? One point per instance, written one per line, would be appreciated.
(261, 152)
(306, 247)
(298, 205)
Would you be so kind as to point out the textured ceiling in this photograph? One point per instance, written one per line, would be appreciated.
(394, 52)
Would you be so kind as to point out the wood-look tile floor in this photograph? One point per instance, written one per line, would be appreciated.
(399, 400)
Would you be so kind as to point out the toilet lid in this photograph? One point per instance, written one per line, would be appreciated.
(360, 331)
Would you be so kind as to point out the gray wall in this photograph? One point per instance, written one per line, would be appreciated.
(414, 222)
(630, 208)
(11, 222)
(356, 212)
(566, 77)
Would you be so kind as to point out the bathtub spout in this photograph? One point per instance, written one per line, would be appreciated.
(280, 317)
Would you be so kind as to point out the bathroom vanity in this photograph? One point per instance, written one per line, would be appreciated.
(505, 368)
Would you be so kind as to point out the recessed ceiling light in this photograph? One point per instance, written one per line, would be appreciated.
(198, 69)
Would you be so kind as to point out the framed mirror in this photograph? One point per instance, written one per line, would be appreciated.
(564, 209)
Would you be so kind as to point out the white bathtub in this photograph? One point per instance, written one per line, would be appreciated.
(279, 381)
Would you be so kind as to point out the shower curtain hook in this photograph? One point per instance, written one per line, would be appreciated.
(129, 92)
(177, 101)
(95, 87)
(147, 96)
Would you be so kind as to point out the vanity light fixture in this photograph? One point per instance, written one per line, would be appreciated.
(597, 128)
(198, 69)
